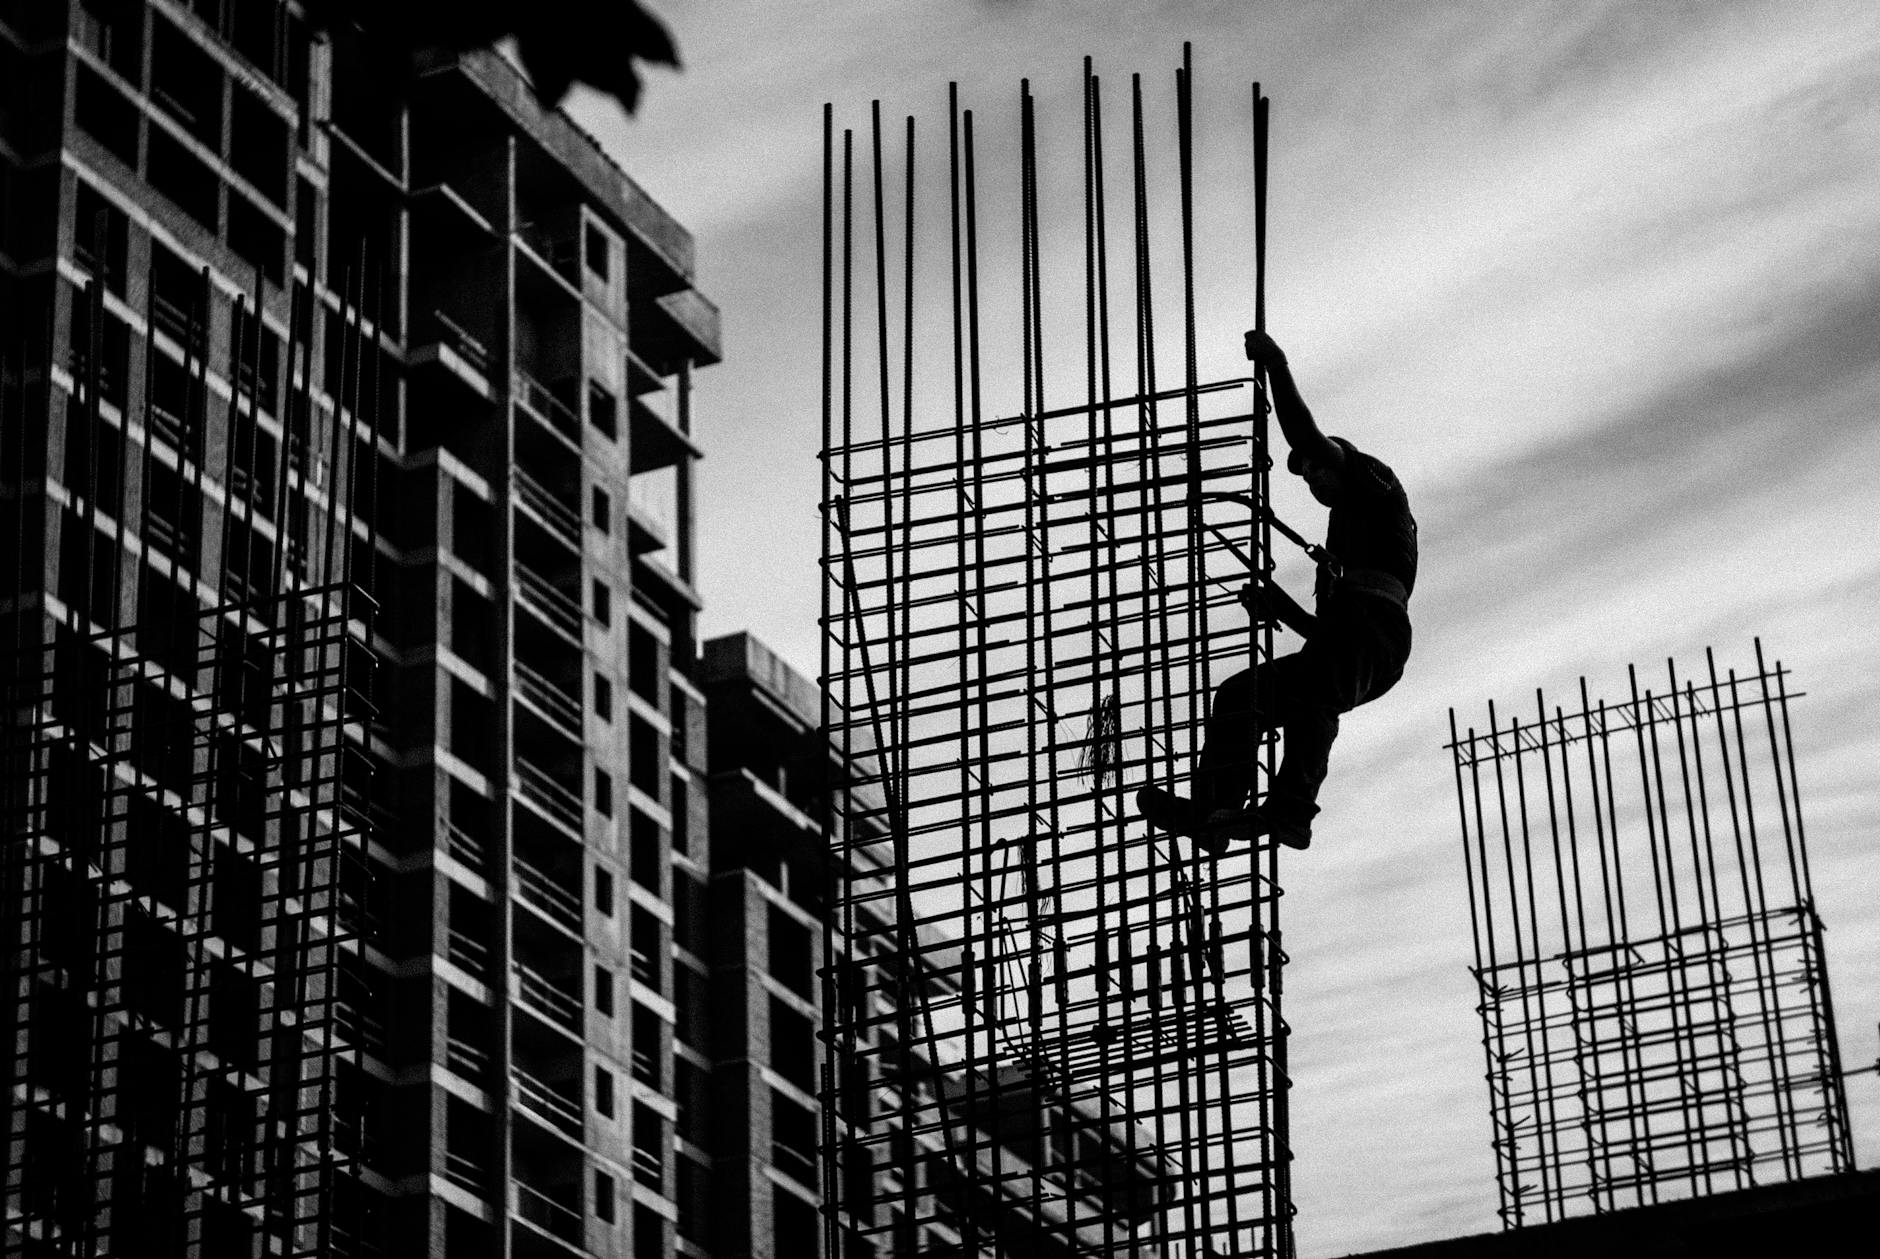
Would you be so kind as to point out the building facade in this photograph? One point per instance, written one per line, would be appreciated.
(346, 432)
(759, 1159)
(925, 1160)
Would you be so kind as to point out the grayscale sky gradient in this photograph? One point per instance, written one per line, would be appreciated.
(1602, 282)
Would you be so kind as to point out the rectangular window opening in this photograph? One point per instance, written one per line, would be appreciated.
(603, 410)
(101, 238)
(647, 858)
(643, 755)
(595, 250)
(792, 1138)
(603, 1197)
(643, 662)
(791, 952)
(603, 992)
(649, 1150)
(649, 1233)
(644, 951)
(603, 1091)
(646, 1046)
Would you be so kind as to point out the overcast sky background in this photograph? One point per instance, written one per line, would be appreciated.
(1602, 282)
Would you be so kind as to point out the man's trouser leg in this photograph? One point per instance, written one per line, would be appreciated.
(1224, 772)
(1307, 733)
(1286, 691)
(1356, 655)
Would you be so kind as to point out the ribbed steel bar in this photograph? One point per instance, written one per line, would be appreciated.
(1030, 991)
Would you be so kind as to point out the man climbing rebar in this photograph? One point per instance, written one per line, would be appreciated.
(1356, 641)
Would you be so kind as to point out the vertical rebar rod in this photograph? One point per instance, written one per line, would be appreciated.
(1546, 1118)
(1035, 539)
(1834, 1082)
(971, 611)
(1191, 1087)
(1791, 1155)
(1567, 943)
(982, 663)
(1159, 667)
(1268, 960)
(1104, 667)
(93, 419)
(226, 517)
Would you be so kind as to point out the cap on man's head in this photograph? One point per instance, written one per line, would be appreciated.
(1297, 465)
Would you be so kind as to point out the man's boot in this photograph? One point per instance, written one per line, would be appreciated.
(1169, 812)
(1212, 829)
(1286, 817)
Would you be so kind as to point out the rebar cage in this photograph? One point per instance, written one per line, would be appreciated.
(185, 792)
(1049, 1030)
(1654, 993)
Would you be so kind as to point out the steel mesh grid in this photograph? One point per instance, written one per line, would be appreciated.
(1654, 992)
(1049, 1031)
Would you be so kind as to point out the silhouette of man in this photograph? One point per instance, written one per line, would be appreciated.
(1356, 641)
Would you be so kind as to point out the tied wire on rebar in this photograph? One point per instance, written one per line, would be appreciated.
(1654, 992)
(1047, 1026)
(185, 802)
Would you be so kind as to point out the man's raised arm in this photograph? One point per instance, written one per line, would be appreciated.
(1295, 418)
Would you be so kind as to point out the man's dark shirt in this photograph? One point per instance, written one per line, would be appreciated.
(1371, 525)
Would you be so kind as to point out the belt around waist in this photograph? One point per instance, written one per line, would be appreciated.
(1373, 581)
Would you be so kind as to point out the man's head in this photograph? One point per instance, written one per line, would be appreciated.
(1322, 478)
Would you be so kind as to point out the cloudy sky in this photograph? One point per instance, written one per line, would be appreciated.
(1601, 280)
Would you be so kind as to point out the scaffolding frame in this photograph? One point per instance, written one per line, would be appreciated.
(1653, 986)
(1048, 1030)
(186, 793)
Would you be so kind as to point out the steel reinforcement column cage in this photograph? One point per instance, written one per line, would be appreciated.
(1048, 1030)
(185, 803)
(1654, 992)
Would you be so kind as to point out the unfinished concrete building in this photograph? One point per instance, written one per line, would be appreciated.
(345, 436)
(771, 921)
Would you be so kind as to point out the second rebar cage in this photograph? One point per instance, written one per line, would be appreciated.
(1050, 1030)
(1654, 991)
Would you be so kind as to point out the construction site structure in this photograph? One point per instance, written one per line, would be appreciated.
(769, 767)
(1657, 1023)
(345, 436)
(185, 795)
(1059, 1032)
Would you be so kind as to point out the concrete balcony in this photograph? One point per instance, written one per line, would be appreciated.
(547, 997)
